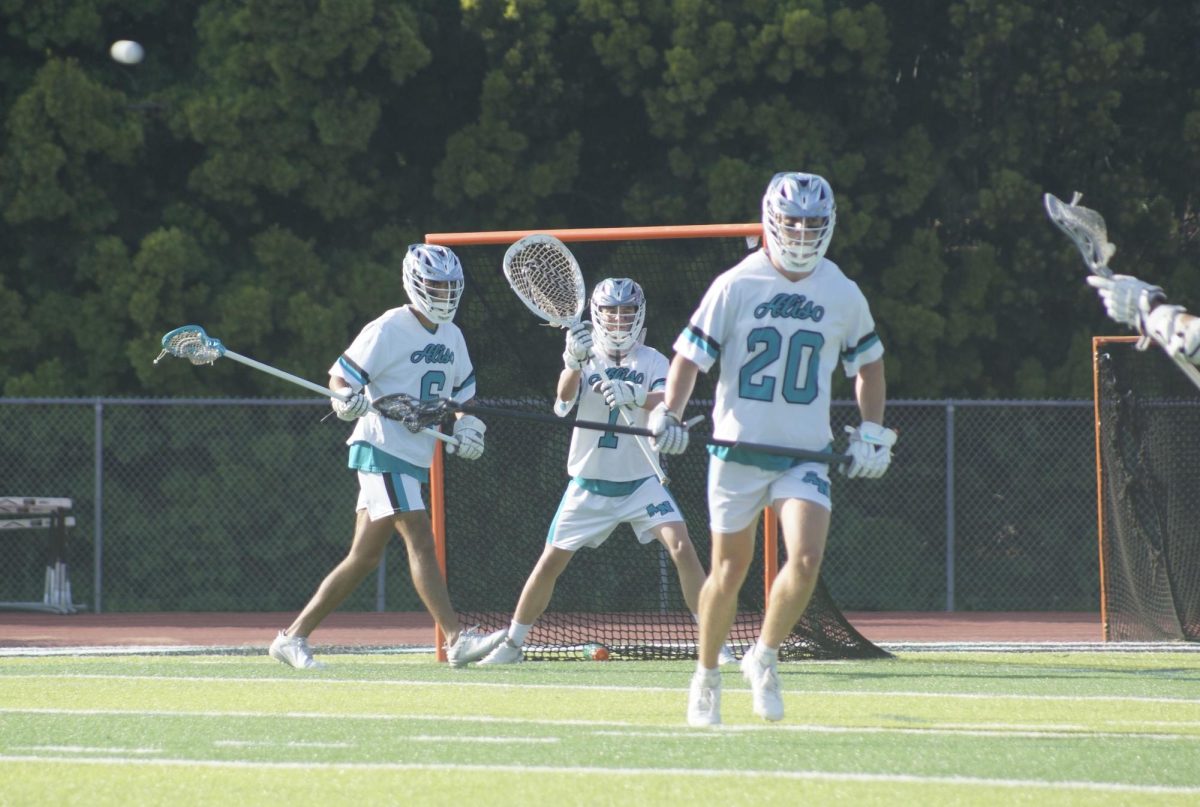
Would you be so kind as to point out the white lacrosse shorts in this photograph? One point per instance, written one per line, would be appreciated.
(737, 493)
(385, 494)
(586, 519)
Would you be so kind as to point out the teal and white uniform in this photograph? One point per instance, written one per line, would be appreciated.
(612, 482)
(397, 353)
(778, 341)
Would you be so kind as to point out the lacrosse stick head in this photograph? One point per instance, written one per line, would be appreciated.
(433, 281)
(1086, 228)
(618, 314)
(192, 343)
(414, 414)
(545, 275)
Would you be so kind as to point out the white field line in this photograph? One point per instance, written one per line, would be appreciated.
(301, 678)
(466, 738)
(525, 770)
(85, 749)
(982, 729)
(270, 744)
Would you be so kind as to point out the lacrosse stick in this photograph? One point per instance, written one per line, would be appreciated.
(1086, 228)
(545, 275)
(416, 413)
(192, 343)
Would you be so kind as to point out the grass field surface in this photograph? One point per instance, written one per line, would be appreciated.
(926, 728)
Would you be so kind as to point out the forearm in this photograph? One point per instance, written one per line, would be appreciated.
(568, 385)
(870, 390)
(681, 380)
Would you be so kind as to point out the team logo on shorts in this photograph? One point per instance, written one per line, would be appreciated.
(820, 484)
(660, 509)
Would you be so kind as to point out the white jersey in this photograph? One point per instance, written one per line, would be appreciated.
(778, 341)
(606, 455)
(396, 353)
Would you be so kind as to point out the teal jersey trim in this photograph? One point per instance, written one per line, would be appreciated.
(602, 487)
(768, 462)
(366, 457)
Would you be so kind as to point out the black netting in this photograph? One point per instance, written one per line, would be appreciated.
(1149, 440)
(623, 595)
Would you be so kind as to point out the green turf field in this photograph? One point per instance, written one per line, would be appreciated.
(925, 728)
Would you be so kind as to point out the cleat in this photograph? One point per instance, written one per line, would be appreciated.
(764, 686)
(472, 646)
(726, 656)
(704, 700)
(504, 653)
(294, 652)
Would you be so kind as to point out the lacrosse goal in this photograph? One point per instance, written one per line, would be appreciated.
(490, 517)
(1147, 453)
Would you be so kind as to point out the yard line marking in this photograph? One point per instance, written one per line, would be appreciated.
(982, 729)
(809, 775)
(823, 693)
(271, 744)
(86, 749)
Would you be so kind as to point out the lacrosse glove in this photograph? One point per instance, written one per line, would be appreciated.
(579, 345)
(352, 408)
(870, 450)
(670, 436)
(621, 393)
(469, 430)
(1127, 300)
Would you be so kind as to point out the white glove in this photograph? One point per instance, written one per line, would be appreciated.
(1176, 330)
(352, 408)
(469, 430)
(621, 393)
(870, 450)
(1127, 300)
(670, 436)
(579, 345)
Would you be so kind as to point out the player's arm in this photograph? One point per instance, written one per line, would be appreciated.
(870, 390)
(870, 444)
(670, 436)
(1139, 305)
(567, 391)
(354, 406)
(681, 381)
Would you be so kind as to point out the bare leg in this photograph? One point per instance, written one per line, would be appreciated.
(414, 527)
(539, 588)
(674, 537)
(805, 528)
(370, 539)
(731, 556)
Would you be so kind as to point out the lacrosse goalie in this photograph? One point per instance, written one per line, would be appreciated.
(1138, 305)
(414, 349)
(780, 322)
(612, 480)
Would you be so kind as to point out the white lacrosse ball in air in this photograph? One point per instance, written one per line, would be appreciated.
(126, 51)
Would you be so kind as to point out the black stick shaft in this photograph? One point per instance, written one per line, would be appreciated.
(621, 428)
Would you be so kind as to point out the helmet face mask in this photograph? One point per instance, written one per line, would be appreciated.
(618, 315)
(433, 281)
(799, 215)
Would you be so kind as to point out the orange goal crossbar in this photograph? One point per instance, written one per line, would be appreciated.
(601, 234)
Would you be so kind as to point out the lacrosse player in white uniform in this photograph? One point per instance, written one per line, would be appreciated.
(418, 350)
(612, 480)
(779, 321)
(1144, 308)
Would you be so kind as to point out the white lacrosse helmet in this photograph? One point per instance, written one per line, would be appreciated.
(617, 331)
(433, 281)
(798, 214)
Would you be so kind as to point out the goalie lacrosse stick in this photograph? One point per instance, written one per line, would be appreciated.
(416, 413)
(1086, 228)
(192, 343)
(545, 275)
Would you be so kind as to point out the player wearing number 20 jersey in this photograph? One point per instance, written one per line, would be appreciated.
(778, 340)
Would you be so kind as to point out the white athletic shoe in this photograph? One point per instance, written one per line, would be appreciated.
(704, 700)
(764, 686)
(294, 652)
(726, 656)
(504, 653)
(472, 646)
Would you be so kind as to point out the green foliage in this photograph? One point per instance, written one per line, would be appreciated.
(262, 170)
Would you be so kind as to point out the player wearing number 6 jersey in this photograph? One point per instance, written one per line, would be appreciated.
(418, 350)
(607, 369)
(779, 323)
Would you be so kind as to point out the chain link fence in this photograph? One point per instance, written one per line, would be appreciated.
(245, 505)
